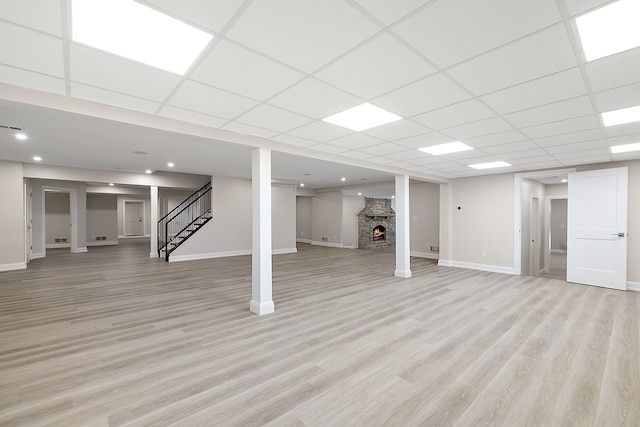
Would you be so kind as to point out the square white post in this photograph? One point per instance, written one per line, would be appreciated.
(261, 269)
(154, 221)
(403, 247)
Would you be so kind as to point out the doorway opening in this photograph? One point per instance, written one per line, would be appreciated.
(134, 218)
(59, 222)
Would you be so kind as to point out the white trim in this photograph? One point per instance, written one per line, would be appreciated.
(57, 245)
(103, 243)
(284, 251)
(429, 255)
(405, 274)
(262, 308)
(303, 240)
(122, 236)
(195, 257)
(332, 245)
(633, 286)
(37, 255)
(481, 267)
(10, 267)
(154, 254)
(82, 250)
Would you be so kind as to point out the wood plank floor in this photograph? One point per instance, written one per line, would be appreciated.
(113, 338)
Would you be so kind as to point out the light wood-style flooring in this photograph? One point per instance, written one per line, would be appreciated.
(113, 338)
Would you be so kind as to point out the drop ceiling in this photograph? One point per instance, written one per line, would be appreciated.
(506, 77)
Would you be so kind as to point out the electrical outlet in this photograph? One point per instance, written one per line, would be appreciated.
(325, 239)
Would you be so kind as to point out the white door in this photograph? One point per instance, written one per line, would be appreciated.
(597, 228)
(133, 221)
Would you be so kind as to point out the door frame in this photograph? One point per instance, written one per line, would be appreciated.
(547, 230)
(534, 236)
(517, 210)
(124, 217)
(28, 223)
(73, 201)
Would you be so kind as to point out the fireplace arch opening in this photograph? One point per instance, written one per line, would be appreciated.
(378, 233)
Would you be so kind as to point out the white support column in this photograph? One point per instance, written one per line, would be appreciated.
(403, 247)
(154, 221)
(261, 269)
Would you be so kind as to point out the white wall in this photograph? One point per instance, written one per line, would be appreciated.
(327, 218)
(424, 214)
(229, 232)
(304, 218)
(169, 198)
(57, 219)
(102, 219)
(351, 205)
(12, 250)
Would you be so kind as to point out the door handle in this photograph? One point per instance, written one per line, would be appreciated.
(618, 234)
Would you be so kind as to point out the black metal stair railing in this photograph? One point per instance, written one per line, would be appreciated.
(185, 219)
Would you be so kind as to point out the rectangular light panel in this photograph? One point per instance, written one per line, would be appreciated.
(611, 29)
(490, 165)
(134, 31)
(448, 148)
(622, 116)
(362, 117)
(625, 148)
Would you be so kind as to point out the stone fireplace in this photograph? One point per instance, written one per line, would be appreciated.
(376, 224)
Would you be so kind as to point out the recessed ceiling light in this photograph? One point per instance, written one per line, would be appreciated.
(359, 194)
(170, 164)
(611, 29)
(37, 158)
(343, 179)
(622, 116)
(625, 148)
(111, 184)
(362, 117)
(565, 180)
(450, 147)
(21, 136)
(134, 31)
(148, 171)
(393, 197)
(302, 184)
(490, 165)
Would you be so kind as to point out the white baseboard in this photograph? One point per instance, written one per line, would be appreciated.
(57, 245)
(226, 254)
(405, 274)
(123, 236)
(37, 255)
(284, 251)
(303, 240)
(429, 255)
(474, 266)
(332, 245)
(103, 243)
(633, 286)
(10, 267)
(82, 250)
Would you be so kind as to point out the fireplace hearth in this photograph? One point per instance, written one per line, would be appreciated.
(376, 224)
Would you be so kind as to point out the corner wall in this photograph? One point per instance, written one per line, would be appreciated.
(12, 250)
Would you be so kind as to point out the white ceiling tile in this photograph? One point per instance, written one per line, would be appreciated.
(110, 72)
(624, 139)
(293, 140)
(562, 127)
(314, 98)
(35, 51)
(357, 155)
(575, 147)
(585, 160)
(37, 81)
(570, 108)
(320, 131)
(445, 165)
(273, 118)
(456, 114)
(398, 130)
(540, 54)
(536, 163)
(479, 128)
(94, 94)
(239, 70)
(379, 159)
(430, 93)
(394, 66)
(48, 17)
(556, 87)
(621, 130)
(328, 148)
(451, 31)
(496, 139)
(384, 148)
(205, 99)
(410, 155)
(191, 116)
(510, 147)
(400, 164)
(525, 154)
(576, 7)
(356, 141)
(213, 14)
(303, 33)
(615, 70)
(424, 159)
(625, 156)
(390, 11)
(463, 156)
(583, 153)
(248, 130)
(426, 140)
(568, 138)
(620, 97)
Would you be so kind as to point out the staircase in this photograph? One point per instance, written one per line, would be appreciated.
(184, 220)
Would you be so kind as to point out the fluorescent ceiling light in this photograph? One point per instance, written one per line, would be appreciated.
(362, 117)
(610, 29)
(134, 31)
(625, 148)
(451, 147)
(490, 165)
(622, 116)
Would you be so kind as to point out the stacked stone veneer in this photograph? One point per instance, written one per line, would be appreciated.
(376, 212)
